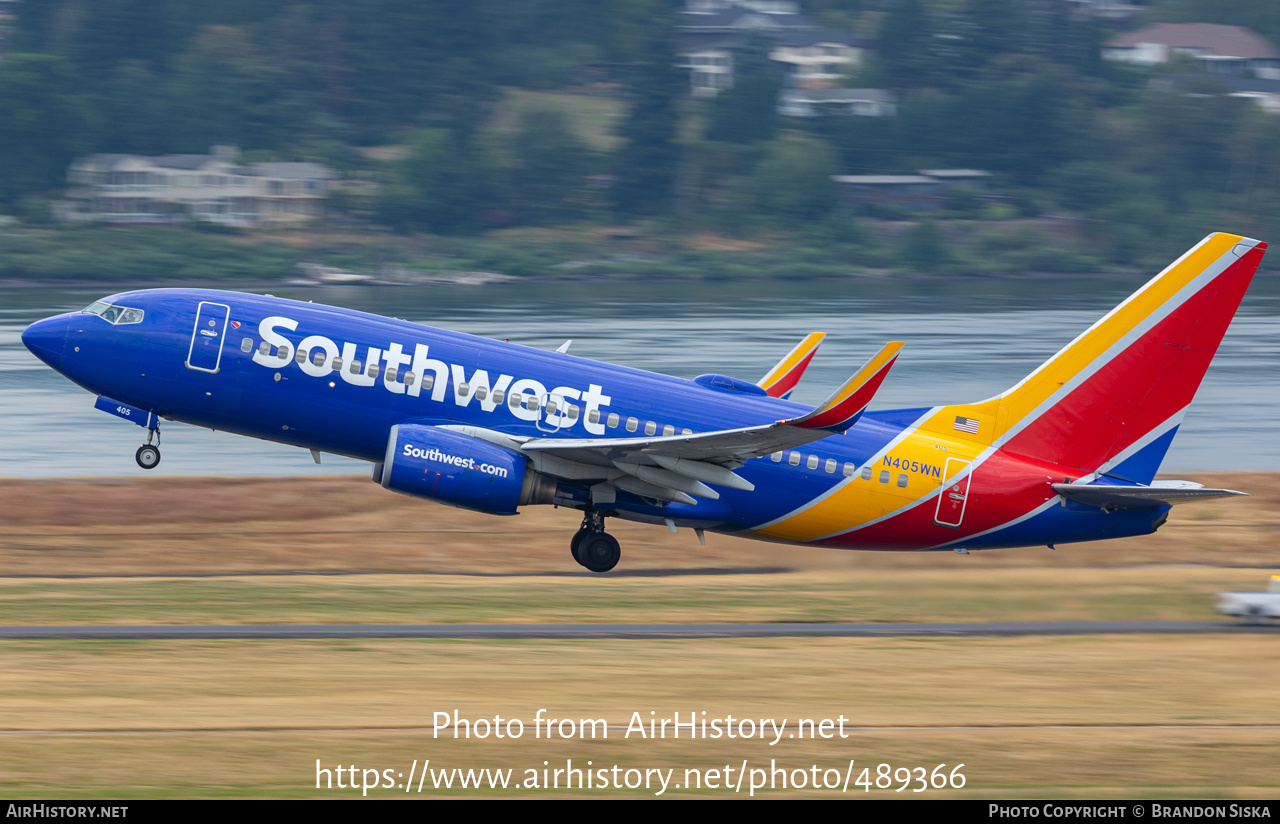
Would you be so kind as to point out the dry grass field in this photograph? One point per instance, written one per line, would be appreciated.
(1093, 716)
(183, 526)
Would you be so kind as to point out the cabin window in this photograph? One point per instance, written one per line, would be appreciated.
(409, 378)
(632, 423)
(812, 463)
(794, 459)
(776, 457)
(668, 430)
(573, 413)
(515, 401)
(884, 476)
(354, 367)
(318, 358)
(551, 406)
(463, 389)
(686, 431)
(428, 381)
(902, 481)
(830, 466)
(337, 364)
(284, 351)
(534, 404)
(612, 420)
(593, 416)
(497, 396)
(481, 393)
(866, 471)
(391, 375)
(300, 357)
(373, 370)
(264, 348)
(650, 428)
(246, 345)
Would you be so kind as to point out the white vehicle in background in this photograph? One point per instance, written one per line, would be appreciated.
(1252, 606)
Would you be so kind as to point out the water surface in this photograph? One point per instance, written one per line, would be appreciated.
(967, 339)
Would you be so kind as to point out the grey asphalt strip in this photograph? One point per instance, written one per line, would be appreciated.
(575, 631)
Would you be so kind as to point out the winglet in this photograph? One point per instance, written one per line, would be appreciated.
(782, 378)
(842, 409)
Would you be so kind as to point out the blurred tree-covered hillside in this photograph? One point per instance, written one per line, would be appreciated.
(548, 112)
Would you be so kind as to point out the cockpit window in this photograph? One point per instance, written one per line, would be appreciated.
(117, 315)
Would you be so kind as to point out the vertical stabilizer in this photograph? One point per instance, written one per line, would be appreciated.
(1111, 400)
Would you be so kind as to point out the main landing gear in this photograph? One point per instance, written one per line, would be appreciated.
(148, 456)
(592, 547)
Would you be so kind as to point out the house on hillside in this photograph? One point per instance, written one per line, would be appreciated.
(925, 191)
(811, 57)
(122, 188)
(817, 58)
(823, 102)
(1229, 50)
(1263, 92)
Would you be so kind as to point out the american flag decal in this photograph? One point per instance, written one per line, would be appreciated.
(963, 424)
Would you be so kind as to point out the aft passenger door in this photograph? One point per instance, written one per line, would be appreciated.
(954, 494)
(205, 354)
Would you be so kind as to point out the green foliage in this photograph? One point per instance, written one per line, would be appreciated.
(747, 112)
(44, 124)
(923, 248)
(1012, 87)
(1086, 185)
(1188, 140)
(905, 40)
(646, 166)
(550, 165)
(442, 186)
(793, 181)
(138, 254)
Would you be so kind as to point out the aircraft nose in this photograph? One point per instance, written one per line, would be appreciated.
(46, 339)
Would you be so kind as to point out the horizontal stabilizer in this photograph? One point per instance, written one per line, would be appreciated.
(846, 405)
(1162, 493)
(783, 377)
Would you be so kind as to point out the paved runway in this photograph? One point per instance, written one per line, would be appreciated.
(584, 631)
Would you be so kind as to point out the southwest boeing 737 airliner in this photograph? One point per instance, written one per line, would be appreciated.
(1068, 454)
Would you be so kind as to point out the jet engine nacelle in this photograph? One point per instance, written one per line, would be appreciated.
(459, 470)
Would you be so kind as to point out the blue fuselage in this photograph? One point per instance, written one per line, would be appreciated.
(230, 361)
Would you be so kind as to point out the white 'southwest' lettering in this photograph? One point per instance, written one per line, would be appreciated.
(267, 329)
(527, 399)
(433, 454)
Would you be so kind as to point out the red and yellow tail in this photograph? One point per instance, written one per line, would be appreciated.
(1128, 376)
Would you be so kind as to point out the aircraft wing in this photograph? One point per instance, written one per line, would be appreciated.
(783, 377)
(674, 466)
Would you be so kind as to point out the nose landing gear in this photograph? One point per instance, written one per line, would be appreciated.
(592, 547)
(148, 455)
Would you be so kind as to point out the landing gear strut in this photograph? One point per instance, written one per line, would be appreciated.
(148, 456)
(592, 547)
